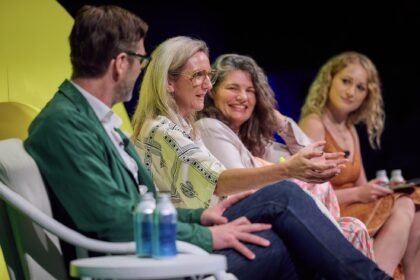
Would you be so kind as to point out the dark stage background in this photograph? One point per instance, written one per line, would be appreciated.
(291, 42)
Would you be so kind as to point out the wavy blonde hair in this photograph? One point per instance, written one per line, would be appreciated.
(168, 58)
(371, 112)
(258, 130)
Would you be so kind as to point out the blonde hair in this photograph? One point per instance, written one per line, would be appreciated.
(168, 58)
(371, 112)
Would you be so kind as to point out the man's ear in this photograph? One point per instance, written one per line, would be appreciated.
(119, 64)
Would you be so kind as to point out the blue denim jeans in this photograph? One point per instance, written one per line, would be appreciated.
(304, 243)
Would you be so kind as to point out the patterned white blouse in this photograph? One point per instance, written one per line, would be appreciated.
(178, 163)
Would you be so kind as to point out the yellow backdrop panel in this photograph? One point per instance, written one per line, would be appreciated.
(34, 52)
(3, 77)
(4, 275)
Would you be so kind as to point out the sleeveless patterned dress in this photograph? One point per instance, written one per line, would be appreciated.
(353, 229)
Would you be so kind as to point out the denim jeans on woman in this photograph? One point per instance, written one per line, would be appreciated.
(304, 243)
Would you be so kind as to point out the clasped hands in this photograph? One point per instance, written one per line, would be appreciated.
(311, 164)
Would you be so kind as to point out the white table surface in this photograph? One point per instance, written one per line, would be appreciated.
(133, 267)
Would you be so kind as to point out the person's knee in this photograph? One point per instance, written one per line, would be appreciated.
(276, 257)
(272, 262)
(277, 249)
(404, 206)
(283, 188)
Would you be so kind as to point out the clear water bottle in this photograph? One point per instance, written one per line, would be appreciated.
(143, 225)
(165, 217)
(381, 174)
(396, 177)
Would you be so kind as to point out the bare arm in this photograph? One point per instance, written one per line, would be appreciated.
(236, 180)
(313, 127)
(310, 164)
(226, 146)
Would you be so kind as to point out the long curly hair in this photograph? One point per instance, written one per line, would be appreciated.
(371, 112)
(258, 130)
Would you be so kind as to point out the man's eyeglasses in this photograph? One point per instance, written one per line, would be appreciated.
(144, 59)
(197, 78)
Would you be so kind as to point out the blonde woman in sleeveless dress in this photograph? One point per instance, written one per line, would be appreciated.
(346, 92)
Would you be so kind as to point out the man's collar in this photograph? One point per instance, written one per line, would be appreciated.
(102, 111)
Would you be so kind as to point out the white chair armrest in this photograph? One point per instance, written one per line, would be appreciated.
(188, 248)
(73, 237)
(60, 230)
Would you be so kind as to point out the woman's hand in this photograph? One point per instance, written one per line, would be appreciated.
(372, 191)
(312, 165)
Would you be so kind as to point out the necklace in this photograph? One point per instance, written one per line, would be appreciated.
(340, 133)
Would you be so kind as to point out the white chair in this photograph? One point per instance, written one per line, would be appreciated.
(15, 118)
(37, 234)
